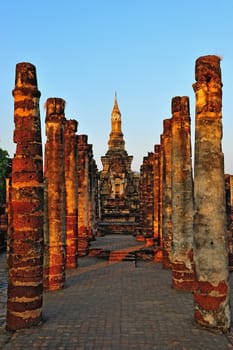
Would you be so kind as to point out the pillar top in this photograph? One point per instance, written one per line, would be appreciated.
(208, 68)
(180, 104)
(25, 74)
(166, 126)
(71, 124)
(26, 80)
(82, 139)
(55, 107)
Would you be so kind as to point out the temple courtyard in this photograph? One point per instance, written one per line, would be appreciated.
(114, 305)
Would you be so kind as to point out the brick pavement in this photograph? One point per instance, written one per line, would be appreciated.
(115, 306)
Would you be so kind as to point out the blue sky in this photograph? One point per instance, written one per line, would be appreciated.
(145, 50)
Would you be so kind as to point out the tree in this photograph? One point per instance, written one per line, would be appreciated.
(4, 163)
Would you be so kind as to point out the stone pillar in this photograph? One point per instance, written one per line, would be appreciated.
(182, 196)
(95, 199)
(90, 193)
(161, 193)
(229, 211)
(54, 259)
(71, 193)
(93, 194)
(156, 171)
(83, 208)
(25, 235)
(211, 294)
(147, 195)
(167, 193)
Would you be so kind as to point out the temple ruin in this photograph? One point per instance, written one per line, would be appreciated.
(55, 212)
(118, 184)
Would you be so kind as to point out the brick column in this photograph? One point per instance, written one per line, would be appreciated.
(167, 200)
(54, 260)
(71, 193)
(211, 295)
(229, 211)
(25, 235)
(90, 194)
(83, 208)
(161, 194)
(147, 195)
(182, 196)
(156, 170)
(94, 196)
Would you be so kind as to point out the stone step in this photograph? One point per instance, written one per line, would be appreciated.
(122, 255)
(119, 255)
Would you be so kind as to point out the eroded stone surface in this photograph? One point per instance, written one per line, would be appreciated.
(166, 195)
(71, 185)
(146, 195)
(211, 294)
(54, 179)
(118, 184)
(25, 230)
(182, 196)
(83, 194)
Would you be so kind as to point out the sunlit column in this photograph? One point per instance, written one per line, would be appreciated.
(54, 259)
(71, 193)
(211, 295)
(25, 234)
(182, 196)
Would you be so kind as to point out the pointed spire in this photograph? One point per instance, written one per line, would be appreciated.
(115, 107)
(116, 140)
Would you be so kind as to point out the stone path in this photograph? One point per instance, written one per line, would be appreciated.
(115, 306)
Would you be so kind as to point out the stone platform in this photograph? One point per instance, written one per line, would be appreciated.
(114, 306)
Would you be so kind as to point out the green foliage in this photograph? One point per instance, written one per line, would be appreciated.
(4, 161)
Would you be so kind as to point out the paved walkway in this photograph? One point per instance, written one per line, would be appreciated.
(115, 306)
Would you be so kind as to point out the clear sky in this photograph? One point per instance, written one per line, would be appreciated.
(145, 50)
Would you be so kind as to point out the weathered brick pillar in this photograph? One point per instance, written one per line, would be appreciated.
(182, 196)
(211, 294)
(167, 193)
(147, 195)
(25, 236)
(95, 197)
(161, 192)
(229, 211)
(71, 193)
(83, 208)
(54, 259)
(156, 199)
(90, 193)
(93, 174)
